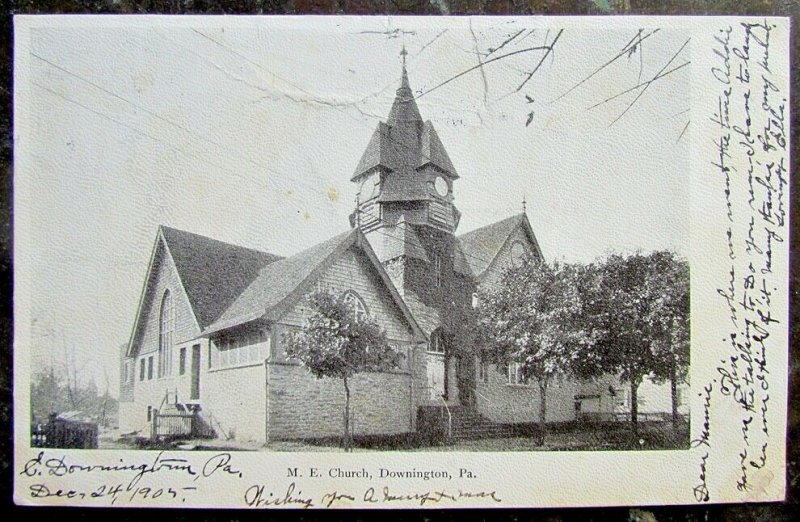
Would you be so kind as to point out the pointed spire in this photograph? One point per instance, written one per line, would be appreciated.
(404, 107)
(404, 79)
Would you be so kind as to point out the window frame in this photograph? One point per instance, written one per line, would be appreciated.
(249, 349)
(516, 378)
(166, 329)
(437, 338)
(437, 269)
(356, 302)
(483, 369)
(182, 361)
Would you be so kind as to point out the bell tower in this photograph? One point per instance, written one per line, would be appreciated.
(405, 173)
(405, 207)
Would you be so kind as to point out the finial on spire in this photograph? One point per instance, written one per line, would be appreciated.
(524, 205)
(404, 86)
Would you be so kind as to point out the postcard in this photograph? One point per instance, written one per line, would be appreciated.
(415, 262)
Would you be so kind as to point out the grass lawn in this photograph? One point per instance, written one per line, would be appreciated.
(652, 435)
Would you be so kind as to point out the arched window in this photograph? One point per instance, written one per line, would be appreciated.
(437, 341)
(356, 304)
(166, 326)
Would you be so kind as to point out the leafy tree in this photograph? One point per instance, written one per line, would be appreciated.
(533, 319)
(669, 318)
(637, 310)
(337, 342)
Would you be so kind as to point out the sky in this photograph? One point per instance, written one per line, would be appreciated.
(248, 131)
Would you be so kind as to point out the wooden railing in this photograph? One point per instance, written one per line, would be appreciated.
(172, 425)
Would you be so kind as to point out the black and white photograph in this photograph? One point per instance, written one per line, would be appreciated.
(391, 237)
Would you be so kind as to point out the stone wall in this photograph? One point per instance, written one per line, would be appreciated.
(302, 406)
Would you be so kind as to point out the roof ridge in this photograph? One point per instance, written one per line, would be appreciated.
(265, 292)
(509, 218)
(317, 246)
(226, 243)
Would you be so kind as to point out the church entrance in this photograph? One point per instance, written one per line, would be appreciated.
(436, 376)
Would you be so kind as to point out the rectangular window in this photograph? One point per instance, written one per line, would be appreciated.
(182, 361)
(251, 348)
(437, 269)
(483, 369)
(141, 369)
(516, 376)
(436, 344)
(149, 413)
(402, 351)
(149, 367)
(127, 369)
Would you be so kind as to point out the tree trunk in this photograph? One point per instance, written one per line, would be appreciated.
(347, 440)
(542, 412)
(635, 405)
(673, 388)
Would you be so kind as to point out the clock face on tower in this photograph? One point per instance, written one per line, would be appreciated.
(441, 186)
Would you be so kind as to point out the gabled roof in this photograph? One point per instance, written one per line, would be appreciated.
(432, 151)
(281, 284)
(404, 143)
(460, 263)
(481, 246)
(213, 273)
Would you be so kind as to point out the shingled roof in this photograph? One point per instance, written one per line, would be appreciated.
(213, 273)
(276, 282)
(279, 284)
(404, 144)
(481, 246)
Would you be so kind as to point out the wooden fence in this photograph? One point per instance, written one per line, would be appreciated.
(60, 433)
(172, 425)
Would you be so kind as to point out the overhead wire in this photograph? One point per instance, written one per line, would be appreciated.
(282, 176)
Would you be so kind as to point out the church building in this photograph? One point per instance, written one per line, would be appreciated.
(207, 336)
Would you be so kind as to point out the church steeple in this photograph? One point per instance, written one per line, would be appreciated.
(404, 108)
(405, 173)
